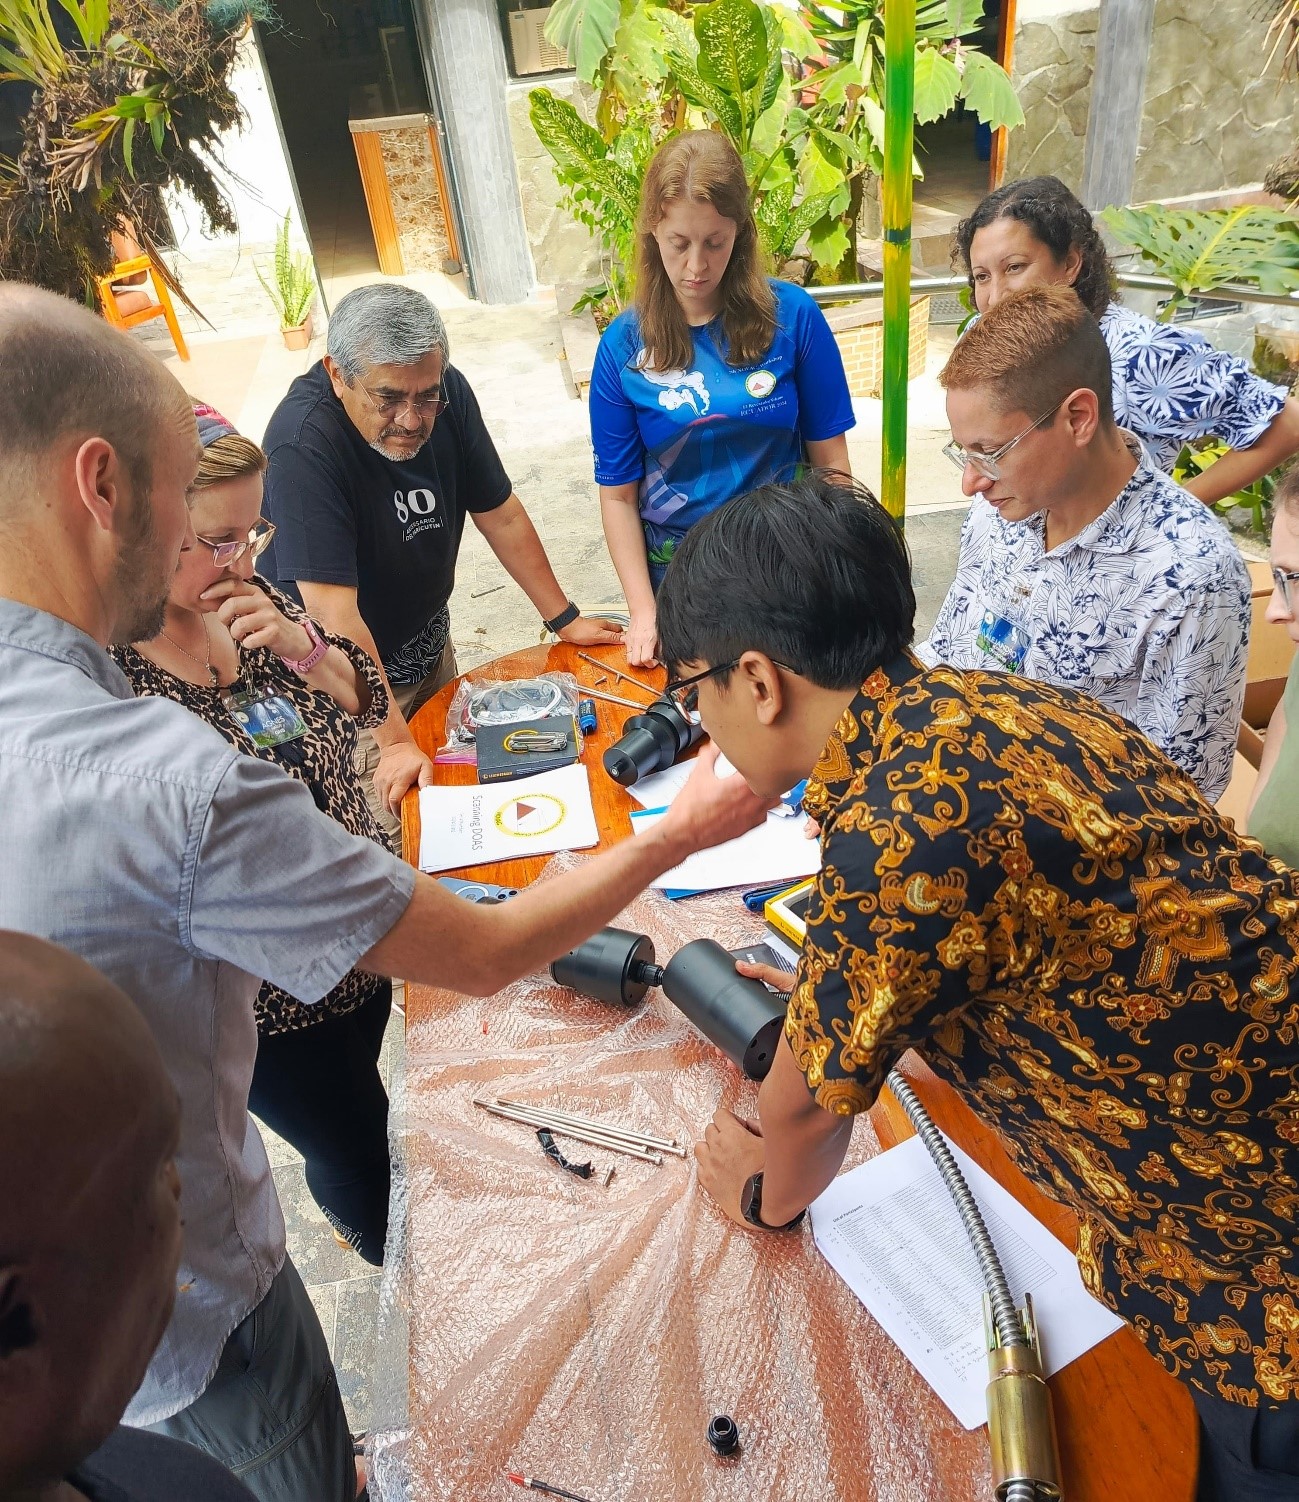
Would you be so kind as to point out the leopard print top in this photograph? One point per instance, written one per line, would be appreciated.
(324, 759)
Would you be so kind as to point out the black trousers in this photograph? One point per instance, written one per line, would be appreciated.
(1247, 1454)
(319, 1088)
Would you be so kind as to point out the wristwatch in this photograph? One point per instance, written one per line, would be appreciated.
(320, 646)
(751, 1206)
(566, 617)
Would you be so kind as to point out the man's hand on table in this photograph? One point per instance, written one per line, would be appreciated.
(709, 810)
(730, 1154)
(401, 766)
(591, 631)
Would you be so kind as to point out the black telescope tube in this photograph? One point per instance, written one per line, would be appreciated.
(739, 1015)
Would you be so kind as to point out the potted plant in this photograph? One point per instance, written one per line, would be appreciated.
(292, 290)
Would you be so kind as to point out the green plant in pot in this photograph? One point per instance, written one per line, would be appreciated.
(291, 287)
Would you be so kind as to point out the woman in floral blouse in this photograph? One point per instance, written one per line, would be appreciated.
(246, 659)
(1171, 387)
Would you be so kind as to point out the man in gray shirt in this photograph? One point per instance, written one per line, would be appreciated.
(135, 836)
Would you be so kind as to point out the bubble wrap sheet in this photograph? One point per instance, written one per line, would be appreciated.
(587, 1335)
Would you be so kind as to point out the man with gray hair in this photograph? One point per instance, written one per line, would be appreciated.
(376, 456)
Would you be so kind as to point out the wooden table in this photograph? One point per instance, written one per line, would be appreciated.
(1127, 1429)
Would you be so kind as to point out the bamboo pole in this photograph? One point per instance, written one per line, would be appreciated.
(899, 150)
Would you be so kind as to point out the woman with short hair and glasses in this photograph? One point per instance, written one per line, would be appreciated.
(1273, 814)
(248, 660)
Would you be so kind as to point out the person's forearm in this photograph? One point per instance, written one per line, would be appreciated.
(462, 946)
(512, 537)
(1241, 467)
(829, 453)
(625, 538)
(336, 675)
(349, 623)
(804, 1146)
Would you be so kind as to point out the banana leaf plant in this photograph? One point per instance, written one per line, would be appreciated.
(1200, 250)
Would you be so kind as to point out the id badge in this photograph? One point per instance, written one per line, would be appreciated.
(266, 719)
(1004, 642)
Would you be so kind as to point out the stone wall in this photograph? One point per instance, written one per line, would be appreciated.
(1210, 120)
(562, 250)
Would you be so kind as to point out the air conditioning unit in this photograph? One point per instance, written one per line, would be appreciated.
(532, 52)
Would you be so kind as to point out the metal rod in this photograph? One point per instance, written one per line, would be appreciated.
(1142, 281)
(608, 667)
(595, 1139)
(599, 693)
(564, 1124)
(642, 1139)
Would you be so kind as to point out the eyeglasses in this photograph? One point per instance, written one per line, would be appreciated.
(986, 464)
(1283, 581)
(684, 692)
(226, 553)
(431, 407)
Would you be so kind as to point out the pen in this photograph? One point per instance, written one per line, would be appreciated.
(534, 1485)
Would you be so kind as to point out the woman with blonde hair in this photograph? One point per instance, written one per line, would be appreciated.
(245, 658)
(718, 379)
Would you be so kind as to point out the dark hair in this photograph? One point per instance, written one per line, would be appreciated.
(1058, 220)
(1030, 351)
(815, 574)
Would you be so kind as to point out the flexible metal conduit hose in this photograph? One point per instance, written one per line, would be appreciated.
(1005, 1316)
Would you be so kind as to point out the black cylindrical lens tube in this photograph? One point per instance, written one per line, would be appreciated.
(650, 742)
(614, 966)
(739, 1015)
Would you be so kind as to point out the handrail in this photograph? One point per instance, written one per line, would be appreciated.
(1138, 280)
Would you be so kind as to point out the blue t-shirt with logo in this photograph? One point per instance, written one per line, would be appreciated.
(695, 438)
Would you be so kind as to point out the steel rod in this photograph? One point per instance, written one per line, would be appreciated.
(642, 1139)
(607, 667)
(587, 692)
(595, 1139)
(1141, 281)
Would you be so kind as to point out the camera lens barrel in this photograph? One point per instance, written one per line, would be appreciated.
(650, 742)
(614, 966)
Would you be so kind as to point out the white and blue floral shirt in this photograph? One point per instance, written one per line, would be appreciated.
(1147, 609)
(1171, 386)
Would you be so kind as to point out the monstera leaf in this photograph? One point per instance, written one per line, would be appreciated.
(1198, 251)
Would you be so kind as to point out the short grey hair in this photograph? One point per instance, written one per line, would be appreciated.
(384, 324)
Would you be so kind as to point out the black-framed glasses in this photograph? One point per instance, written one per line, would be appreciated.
(1283, 581)
(684, 692)
(256, 543)
(986, 464)
(387, 407)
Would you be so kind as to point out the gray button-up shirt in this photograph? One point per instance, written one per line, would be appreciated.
(133, 834)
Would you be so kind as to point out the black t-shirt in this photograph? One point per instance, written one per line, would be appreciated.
(135, 1466)
(346, 515)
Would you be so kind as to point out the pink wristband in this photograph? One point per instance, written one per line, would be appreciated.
(304, 665)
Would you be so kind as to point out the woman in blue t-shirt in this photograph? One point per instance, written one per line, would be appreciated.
(717, 381)
(1171, 387)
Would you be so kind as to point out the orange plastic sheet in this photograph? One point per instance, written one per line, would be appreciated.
(586, 1335)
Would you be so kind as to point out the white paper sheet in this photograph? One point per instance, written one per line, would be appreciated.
(660, 788)
(777, 850)
(497, 821)
(891, 1230)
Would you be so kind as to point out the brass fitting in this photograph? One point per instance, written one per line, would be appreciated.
(1021, 1427)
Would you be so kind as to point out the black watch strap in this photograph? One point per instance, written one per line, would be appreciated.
(751, 1206)
(566, 617)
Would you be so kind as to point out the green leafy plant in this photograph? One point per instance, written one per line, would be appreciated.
(292, 286)
(1257, 497)
(1198, 251)
(139, 73)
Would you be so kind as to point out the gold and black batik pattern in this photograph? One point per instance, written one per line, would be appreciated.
(1017, 881)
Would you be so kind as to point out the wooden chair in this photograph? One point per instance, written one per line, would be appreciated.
(125, 307)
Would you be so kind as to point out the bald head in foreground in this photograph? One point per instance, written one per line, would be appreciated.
(89, 1234)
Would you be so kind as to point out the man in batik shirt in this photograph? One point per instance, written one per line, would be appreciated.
(1017, 881)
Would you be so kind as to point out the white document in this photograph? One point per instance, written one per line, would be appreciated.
(660, 788)
(777, 850)
(892, 1232)
(500, 821)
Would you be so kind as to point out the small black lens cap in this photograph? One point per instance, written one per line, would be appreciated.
(723, 1436)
